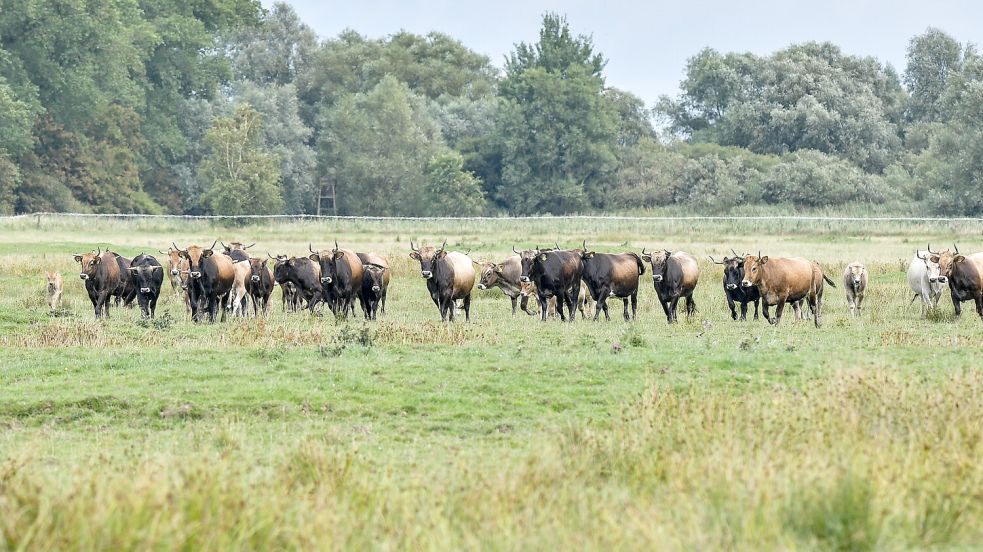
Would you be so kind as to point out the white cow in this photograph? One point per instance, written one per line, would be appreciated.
(923, 278)
(238, 302)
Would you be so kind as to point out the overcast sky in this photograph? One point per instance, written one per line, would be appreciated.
(647, 43)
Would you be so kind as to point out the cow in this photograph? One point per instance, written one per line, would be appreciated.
(612, 275)
(375, 284)
(101, 275)
(556, 273)
(449, 277)
(924, 280)
(674, 276)
(239, 293)
(305, 276)
(735, 292)
(210, 281)
(341, 278)
(528, 289)
(125, 293)
(855, 285)
(236, 250)
(177, 273)
(782, 280)
(289, 296)
(55, 288)
(147, 276)
(260, 285)
(964, 275)
(505, 276)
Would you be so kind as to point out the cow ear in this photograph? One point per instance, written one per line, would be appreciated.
(440, 255)
(97, 259)
(78, 258)
(414, 255)
(934, 259)
(647, 258)
(497, 269)
(338, 255)
(314, 257)
(958, 259)
(206, 253)
(763, 260)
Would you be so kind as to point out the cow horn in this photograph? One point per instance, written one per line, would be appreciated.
(956, 247)
(213, 245)
(270, 256)
(442, 246)
(759, 254)
(585, 246)
(248, 246)
(735, 253)
(557, 245)
(643, 251)
(514, 251)
(413, 248)
(932, 252)
(161, 252)
(336, 245)
(715, 262)
(311, 247)
(98, 251)
(223, 246)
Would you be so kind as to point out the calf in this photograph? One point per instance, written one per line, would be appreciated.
(505, 276)
(783, 281)
(147, 276)
(612, 275)
(855, 284)
(449, 277)
(54, 289)
(341, 278)
(674, 276)
(964, 274)
(375, 284)
(177, 273)
(239, 294)
(101, 275)
(260, 285)
(210, 281)
(556, 273)
(735, 292)
(924, 280)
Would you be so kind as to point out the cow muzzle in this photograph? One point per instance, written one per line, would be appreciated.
(856, 281)
(84, 276)
(326, 280)
(524, 279)
(942, 279)
(482, 286)
(376, 288)
(175, 272)
(254, 279)
(195, 274)
(426, 274)
(657, 277)
(731, 286)
(144, 290)
(746, 283)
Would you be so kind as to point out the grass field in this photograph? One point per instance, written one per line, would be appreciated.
(503, 433)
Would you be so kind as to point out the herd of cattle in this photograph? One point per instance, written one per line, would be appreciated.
(233, 281)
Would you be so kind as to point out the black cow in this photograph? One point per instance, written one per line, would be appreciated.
(674, 276)
(556, 273)
(101, 275)
(260, 285)
(373, 289)
(210, 281)
(126, 291)
(147, 275)
(612, 275)
(449, 277)
(305, 275)
(341, 278)
(288, 290)
(735, 292)
(237, 251)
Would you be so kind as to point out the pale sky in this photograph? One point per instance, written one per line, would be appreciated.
(647, 43)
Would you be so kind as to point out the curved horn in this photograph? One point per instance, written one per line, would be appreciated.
(930, 250)
(735, 253)
(643, 251)
(223, 245)
(248, 246)
(556, 245)
(336, 245)
(514, 251)
(443, 245)
(98, 251)
(161, 252)
(176, 247)
(413, 248)
(956, 247)
(270, 256)
(585, 246)
(213, 245)
(311, 247)
(713, 261)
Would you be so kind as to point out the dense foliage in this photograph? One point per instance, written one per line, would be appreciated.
(131, 106)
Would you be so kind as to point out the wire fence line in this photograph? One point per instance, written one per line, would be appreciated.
(790, 218)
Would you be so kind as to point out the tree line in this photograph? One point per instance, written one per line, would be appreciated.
(222, 107)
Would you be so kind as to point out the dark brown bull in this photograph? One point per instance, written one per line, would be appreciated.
(375, 284)
(612, 275)
(210, 279)
(291, 299)
(126, 292)
(101, 275)
(341, 278)
(674, 276)
(305, 276)
(964, 275)
(556, 273)
(449, 277)
(506, 276)
(260, 285)
(782, 280)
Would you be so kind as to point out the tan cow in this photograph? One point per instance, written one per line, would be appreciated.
(243, 272)
(177, 273)
(855, 285)
(55, 288)
(782, 280)
(449, 276)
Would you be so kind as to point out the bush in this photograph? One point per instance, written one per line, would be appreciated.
(809, 178)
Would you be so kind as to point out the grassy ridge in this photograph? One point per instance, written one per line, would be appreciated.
(304, 432)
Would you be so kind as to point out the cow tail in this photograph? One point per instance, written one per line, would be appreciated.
(828, 281)
(641, 265)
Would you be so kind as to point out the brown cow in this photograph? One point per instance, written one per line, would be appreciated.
(782, 280)
(674, 275)
(100, 272)
(449, 277)
(177, 273)
(612, 275)
(210, 281)
(375, 284)
(506, 276)
(964, 274)
(341, 278)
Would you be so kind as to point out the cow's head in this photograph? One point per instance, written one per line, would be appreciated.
(257, 268)
(90, 263)
(947, 261)
(327, 262)
(490, 273)
(659, 261)
(376, 274)
(195, 254)
(931, 268)
(175, 263)
(733, 270)
(54, 280)
(527, 259)
(235, 246)
(142, 276)
(754, 270)
(428, 257)
(527, 289)
(857, 272)
(279, 268)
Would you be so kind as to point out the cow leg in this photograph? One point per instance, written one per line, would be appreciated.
(665, 309)
(543, 306)
(743, 311)
(600, 304)
(779, 308)
(756, 301)
(860, 302)
(524, 305)
(673, 306)
(561, 301)
(956, 305)
(797, 309)
(979, 304)
(634, 304)
(153, 307)
(515, 304)
(627, 314)
(467, 307)
(690, 306)
(733, 308)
